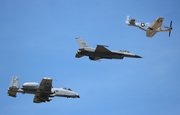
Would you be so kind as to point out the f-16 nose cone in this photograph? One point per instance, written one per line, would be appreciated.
(78, 96)
(136, 56)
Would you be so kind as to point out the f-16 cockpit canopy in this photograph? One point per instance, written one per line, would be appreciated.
(124, 51)
(67, 89)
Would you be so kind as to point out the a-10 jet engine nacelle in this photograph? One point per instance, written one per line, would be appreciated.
(30, 85)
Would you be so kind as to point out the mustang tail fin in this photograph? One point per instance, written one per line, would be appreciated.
(81, 43)
(13, 87)
(127, 19)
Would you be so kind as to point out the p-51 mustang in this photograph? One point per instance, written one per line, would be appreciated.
(151, 29)
(101, 52)
(42, 93)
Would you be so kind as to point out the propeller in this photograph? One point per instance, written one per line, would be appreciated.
(170, 28)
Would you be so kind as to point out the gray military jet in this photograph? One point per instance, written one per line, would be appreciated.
(101, 52)
(44, 92)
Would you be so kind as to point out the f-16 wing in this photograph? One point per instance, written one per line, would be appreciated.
(44, 90)
(101, 48)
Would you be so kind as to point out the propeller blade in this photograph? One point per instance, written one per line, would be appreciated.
(169, 33)
(170, 28)
(171, 24)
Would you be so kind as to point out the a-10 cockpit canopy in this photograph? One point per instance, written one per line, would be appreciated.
(67, 89)
(124, 51)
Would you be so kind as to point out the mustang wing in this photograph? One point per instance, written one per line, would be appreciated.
(43, 91)
(157, 23)
(101, 48)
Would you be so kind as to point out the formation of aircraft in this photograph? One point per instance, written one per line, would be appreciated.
(43, 93)
(151, 29)
(101, 52)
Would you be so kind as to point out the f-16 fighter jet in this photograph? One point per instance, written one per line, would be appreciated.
(42, 93)
(101, 52)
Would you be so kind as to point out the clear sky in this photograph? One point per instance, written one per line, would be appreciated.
(37, 39)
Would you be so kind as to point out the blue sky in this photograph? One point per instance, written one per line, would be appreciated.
(37, 39)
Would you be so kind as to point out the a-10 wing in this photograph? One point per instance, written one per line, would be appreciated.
(44, 90)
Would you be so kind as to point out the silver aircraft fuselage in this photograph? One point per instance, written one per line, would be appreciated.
(58, 92)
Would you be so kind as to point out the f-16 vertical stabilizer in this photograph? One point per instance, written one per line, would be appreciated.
(81, 43)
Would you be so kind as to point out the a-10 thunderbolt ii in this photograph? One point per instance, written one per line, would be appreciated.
(101, 52)
(151, 29)
(44, 92)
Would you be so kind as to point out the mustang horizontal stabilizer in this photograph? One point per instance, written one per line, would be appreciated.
(101, 48)
(132, 21)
